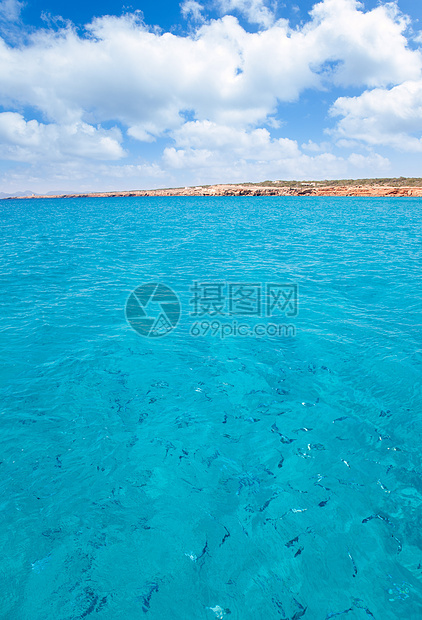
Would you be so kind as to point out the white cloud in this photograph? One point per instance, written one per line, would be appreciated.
(313, 147)
(143, 133)
(10, 10)
(30, 141)
(418, 37)
(215, 153)
(192, 8)
(383, 117)
(255, 11)
(203, 152)
(362, 47)
(245, 144)
(229, 80)
(222, 73)
(77, 175)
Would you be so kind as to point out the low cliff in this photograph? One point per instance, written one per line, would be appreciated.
(310, 189)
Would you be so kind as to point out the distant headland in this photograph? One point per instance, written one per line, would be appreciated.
(389, 187)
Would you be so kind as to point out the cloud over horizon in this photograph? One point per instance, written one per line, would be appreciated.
(213, 101)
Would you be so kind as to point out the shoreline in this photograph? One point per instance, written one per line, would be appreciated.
(368, 191)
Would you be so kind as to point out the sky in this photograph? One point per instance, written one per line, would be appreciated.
(112, 96)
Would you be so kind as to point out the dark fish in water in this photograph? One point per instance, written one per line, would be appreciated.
(283, 438)
(91, 607)
(94, 603)
(400, 547)
(281, 461)
(355, 570)
(226, 536)
(378, 516)
(204, 551)
(369, 518)
(282, 392)
(301, 612)
(278, 605)
(292, 542)
(153, 587)
(267, 503)
(357, 602)
(338, 613)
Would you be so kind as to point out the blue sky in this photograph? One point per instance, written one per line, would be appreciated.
(158, 94)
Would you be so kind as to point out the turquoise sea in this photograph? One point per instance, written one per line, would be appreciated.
(183, 477)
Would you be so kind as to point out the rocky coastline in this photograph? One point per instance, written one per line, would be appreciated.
(310, 189)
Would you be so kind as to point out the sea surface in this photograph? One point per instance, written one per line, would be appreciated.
(193, 476)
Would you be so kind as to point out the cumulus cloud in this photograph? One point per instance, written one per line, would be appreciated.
(383, 117)
(248, 144)
(313, 147)
(216, 153)
(226, 80)
(29, 141)
(200, 144)
(191, 8)
(221, 72)
(255, 11)
(360, 47)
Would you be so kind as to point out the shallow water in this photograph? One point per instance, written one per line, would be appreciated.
(189, 478)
